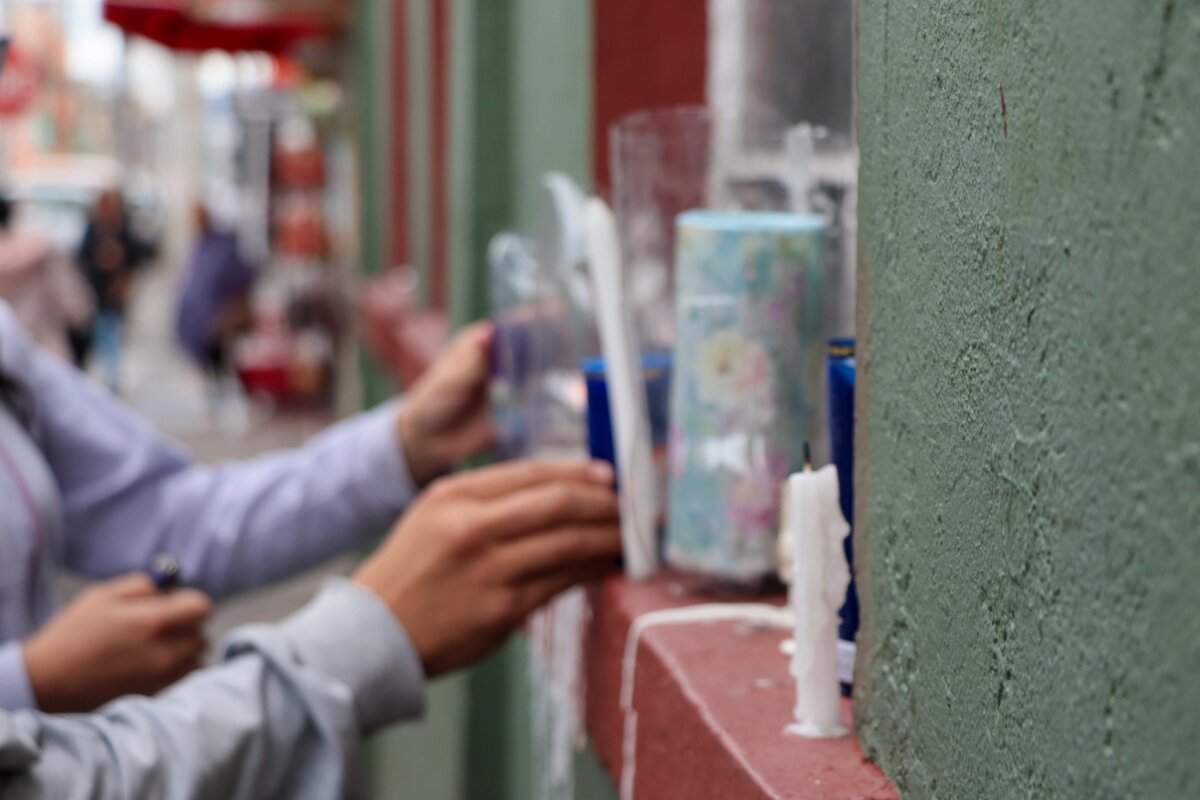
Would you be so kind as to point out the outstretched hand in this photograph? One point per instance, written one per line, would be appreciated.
(479, 551)
(445, 420)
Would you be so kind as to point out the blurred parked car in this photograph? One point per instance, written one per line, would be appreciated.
(54, 197)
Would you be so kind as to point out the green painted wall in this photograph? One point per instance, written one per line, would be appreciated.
(369, 70)
(520, 105)
(1031, 450)
(552, 98)
(481, 163)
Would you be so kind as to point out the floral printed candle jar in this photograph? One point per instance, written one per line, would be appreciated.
(748, 360)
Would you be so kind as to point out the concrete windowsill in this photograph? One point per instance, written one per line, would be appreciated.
(712, 701)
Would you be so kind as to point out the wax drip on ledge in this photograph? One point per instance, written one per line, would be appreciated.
(556, 688)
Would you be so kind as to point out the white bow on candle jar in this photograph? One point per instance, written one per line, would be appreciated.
(813, 522)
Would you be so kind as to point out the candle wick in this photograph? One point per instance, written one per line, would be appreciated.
(807, 457)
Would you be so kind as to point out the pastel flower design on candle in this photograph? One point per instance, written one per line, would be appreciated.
(756, 386)
(753, 503)
(717, 368)
(735, 374)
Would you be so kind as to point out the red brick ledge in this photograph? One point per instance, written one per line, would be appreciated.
(712, 700)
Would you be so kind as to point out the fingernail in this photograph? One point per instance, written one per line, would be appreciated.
(601, 471)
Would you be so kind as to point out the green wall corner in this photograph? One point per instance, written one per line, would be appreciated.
(1029, 446)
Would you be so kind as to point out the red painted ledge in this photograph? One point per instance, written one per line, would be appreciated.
(712, 701)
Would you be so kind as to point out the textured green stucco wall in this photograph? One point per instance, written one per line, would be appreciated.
(1030, 458)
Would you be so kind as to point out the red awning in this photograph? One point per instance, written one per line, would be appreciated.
(171, 24)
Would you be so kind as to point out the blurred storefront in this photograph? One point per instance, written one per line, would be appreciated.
(234, 105)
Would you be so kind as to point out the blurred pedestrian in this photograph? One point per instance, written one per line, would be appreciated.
(214, 302)
(108, 256)
(45, 291)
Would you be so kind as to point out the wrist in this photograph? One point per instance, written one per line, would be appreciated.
(43, 677)
(376, 580)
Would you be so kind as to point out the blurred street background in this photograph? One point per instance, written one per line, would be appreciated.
(229, 331)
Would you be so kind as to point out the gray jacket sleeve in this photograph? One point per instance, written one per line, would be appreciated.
(282, 717)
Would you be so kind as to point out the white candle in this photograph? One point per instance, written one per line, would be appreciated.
(626, 395)
(819, 579)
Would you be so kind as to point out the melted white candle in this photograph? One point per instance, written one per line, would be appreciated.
(819, 580)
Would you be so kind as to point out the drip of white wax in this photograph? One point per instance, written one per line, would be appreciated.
(820, 576)
(556, 687)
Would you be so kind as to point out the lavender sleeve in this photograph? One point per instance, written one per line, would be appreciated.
(128, 492)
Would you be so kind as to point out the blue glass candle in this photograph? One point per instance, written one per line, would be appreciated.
(841, 376)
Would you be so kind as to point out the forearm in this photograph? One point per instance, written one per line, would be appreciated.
(241, 525)
(237, 525)
(282, 717)
(128, 492)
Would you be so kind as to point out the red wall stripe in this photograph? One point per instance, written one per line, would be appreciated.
(647, 55)
(440, 174)
(397, 234)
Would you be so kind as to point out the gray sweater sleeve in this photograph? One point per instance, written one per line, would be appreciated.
(282, 717)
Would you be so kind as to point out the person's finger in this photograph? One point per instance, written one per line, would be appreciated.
(563, 549)
(180, 610)
(536, 593)
(474, 341)
(548, 505)
(135, 584)
(503, 479)
(464, 364)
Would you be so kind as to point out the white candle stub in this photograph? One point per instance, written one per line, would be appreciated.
(820, 576)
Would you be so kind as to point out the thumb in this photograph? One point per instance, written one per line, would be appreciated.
(466, 359)
(135, 584)
(185, 609)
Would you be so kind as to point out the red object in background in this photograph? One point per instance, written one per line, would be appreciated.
(19, 83)
(287, 367)
(300, 229)
(169, 22)
(289, 74)
(300, 168)
(271, 380)
(646, 55)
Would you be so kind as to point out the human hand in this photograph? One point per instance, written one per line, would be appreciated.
(479, 551)
(446, 417)
(119, 637)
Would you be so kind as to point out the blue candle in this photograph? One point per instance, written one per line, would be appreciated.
(841, 375)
